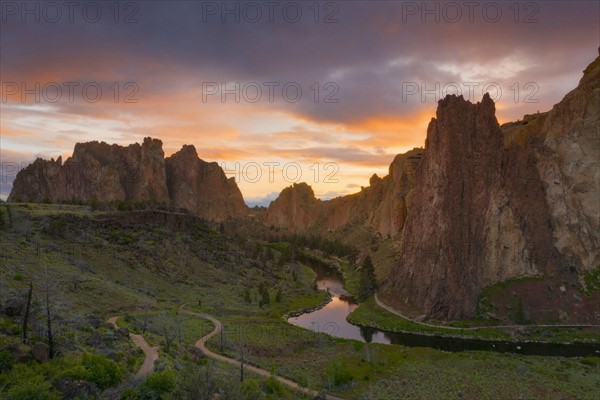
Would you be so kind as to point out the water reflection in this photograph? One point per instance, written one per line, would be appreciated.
(331, 319)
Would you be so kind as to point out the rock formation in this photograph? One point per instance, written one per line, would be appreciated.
(137, 173)
(383, 205)
(296, 208)
(97, 171)
(490, 205)
(202, 187)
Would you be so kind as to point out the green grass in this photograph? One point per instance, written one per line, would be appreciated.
(370, 314)
(137, 270)
(592, 281)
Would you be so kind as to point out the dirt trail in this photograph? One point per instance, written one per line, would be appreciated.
(151, 353)
(201, 344)
(473, 328)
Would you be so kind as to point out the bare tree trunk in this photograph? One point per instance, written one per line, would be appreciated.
(145, 320)
(242, 367)
(49, 325)
(27, 310)
(179, 329)
(222, 329)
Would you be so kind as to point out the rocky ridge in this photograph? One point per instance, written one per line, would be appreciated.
(105, 173)
(383, 205)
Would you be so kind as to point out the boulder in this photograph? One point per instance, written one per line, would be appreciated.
(39, 352)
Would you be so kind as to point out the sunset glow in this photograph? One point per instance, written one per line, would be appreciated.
(182, 75)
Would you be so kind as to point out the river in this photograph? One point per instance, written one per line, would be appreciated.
(331, 319)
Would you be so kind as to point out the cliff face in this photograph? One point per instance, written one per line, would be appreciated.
(202, 187)
(383, 205)
(140, 173)
(296, 208)
(569, 165)
(474, 218)
(97, 171)
(489, 205)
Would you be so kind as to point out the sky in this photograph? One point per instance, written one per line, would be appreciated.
(276, 92)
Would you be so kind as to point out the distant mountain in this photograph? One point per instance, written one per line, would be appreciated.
(136, 173)
(383, 205)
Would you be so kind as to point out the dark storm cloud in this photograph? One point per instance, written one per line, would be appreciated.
(369, 53)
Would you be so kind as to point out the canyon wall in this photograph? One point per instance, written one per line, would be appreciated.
(491, 204)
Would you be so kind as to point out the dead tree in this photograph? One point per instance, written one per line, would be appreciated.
(27, 312)
(51, 349)
(50, 336)
(166, 326)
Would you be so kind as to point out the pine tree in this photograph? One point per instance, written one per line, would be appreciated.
(265, 299)
(367, 280)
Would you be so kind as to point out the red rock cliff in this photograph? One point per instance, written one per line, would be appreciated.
(492, 204)
(140, 173)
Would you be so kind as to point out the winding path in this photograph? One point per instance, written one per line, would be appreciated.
(473, 328)
(151, 353)
(201, 344)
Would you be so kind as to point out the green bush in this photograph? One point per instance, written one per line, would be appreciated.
(76, 372)
(59, 367)
(158, 384)
(338, 373)
(25, 384)
(251, 390)
(101, 370)
(272, 385)
(6, 361)
(130, 394)
(591, 361)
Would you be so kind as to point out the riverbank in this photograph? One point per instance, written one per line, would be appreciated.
(370, 315)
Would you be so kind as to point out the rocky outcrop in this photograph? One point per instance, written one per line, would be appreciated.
(97, 171)
(202, 187)
(569, 165)
(296, 208)
(492, 204)
(382, 206)
(136, 173)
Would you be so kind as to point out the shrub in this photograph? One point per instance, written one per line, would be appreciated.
(26, 384)
(272, 385)
(101, 370)
(338, 372)
(6, 361)
(251, 390)
(130, 394)
(157, 384)
(591, 361)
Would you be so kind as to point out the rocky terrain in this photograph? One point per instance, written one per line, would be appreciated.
(105, 173)
(382, 206)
